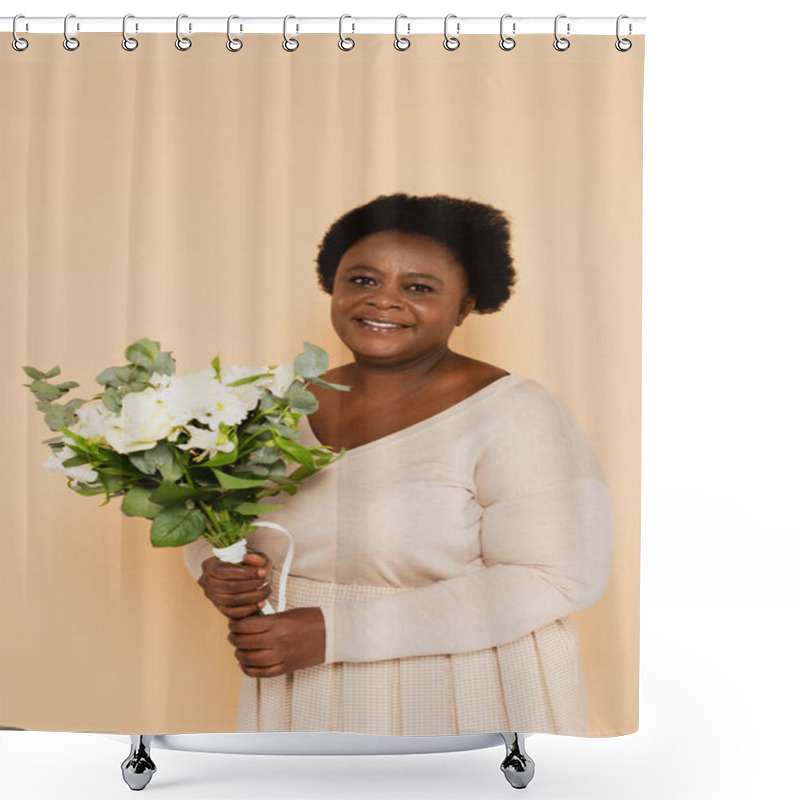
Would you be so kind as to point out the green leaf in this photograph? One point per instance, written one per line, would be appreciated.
(108, 376)
(164, 364)
(232, 482)
(112, 400)
(123, 374)
(340, 386)
(74, 404)
(137, 503)
(171, 493)
(51, 373)
(56, 417)
(34, 373)
(220, 459)
(45, 391)
(89, 491)
(143, 351)
(301, 399)
(255, 508)
(66, 385)
(215, 364)
(174, 527)
(312, 362)
(297, 451)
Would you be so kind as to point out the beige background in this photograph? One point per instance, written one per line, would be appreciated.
(181, 196)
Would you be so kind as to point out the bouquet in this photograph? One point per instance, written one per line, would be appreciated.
(193, 453)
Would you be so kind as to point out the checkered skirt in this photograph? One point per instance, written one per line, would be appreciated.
(534, 684)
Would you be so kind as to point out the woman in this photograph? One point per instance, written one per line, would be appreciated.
(437, 562)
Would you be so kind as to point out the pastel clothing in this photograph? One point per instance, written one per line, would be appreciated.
(446, 558)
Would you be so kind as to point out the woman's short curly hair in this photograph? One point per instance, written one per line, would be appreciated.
(477, 234)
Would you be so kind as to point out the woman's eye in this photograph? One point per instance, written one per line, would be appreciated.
(367, 278)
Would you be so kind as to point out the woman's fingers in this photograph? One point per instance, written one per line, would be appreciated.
(243, 598)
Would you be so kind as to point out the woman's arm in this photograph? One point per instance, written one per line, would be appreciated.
(547, 540)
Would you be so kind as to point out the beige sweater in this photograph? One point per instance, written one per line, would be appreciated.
(493, 514)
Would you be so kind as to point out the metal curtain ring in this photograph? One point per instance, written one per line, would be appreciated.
(182, 42)
(18, 43)
(234, 45)
(128, 42)
(623, 48)
(451, 42)
(401, 43)
(506, 42)
(288, 43)
(70, 42)
(346, 43)
(560, 42)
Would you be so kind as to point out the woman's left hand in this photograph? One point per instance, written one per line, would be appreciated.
(271, 644)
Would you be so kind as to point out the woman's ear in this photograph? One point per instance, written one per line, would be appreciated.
(467, 306)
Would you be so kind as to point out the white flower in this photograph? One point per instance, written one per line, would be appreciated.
(212, 442)
(248, 393)
(143, 419)
(160, 379)
(82, 474)
(199, 396)
(281, 381)
(93, 419)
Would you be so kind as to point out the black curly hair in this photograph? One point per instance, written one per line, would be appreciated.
(477, 234)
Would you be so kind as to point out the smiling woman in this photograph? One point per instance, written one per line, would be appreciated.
(438, 561)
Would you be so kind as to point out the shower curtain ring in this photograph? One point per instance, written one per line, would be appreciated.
(18, 43)
(288, 43)
(346, 43)
(623, 48)
(182, 42)
(451, 42)
(128, 42)
(560, 42)
(400, 42)
(70, 42)
(234, 45)
(506, 42)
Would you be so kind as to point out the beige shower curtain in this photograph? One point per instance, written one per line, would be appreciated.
(181, 196)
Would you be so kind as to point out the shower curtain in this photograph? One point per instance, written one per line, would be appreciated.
(460, 231)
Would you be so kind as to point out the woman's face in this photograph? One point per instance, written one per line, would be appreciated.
(376, 280)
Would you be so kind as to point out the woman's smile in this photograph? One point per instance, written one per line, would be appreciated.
(381, 328)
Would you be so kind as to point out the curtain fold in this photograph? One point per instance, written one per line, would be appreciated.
(183, 197)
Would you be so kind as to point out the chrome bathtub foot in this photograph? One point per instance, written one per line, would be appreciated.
(138, 767)
(517, 766)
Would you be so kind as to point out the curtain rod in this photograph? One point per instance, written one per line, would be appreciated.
(601, 26)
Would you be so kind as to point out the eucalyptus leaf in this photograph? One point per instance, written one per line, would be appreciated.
(143, 351)
(312, 362)
(301, 399)
(320, 382)
(108, 376)
(164, 364)
(56, 417)
(45, 391)
(112, 400)
(34, 373)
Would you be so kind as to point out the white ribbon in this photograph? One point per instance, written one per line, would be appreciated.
(235, 553)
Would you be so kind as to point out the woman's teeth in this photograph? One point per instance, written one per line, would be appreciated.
(380, 326)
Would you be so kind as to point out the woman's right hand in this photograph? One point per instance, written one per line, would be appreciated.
(236, 589)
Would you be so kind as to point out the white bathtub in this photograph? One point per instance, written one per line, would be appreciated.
(138, 768)
(316, 743)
